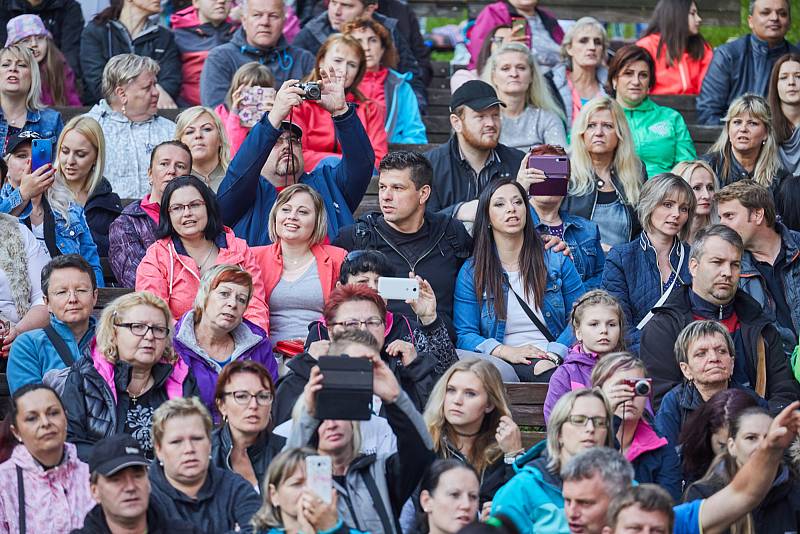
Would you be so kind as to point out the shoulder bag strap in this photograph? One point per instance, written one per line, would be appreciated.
(532, 316)
(60, 345)
(665, 295)
(21, 498)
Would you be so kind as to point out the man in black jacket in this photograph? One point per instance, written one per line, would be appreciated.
(121, 487)
(473, 157)
(715, 263)
(432, 245)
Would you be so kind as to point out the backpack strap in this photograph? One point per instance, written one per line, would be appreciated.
(60, 345)
(21, 499)
(388, 525)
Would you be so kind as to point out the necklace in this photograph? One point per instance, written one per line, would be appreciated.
(296, 262)
(203, 263)
(550, 222)
(465, 435)
(135, 398)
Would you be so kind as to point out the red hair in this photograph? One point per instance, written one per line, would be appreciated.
(352, 293)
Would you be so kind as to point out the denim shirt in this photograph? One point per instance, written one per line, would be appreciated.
(479, 330)
(46, 122)
(583, 238)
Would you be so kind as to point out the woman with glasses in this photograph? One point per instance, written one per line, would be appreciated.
(214, 333)
(191, 240)
(300, 271)
(352, 307)
(579, 420)
(243, 443)
(130, 371)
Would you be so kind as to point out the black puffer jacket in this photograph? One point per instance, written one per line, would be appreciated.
(62, 18)
(103, 40)
(92, 411)
(101, 209)
(261, 453)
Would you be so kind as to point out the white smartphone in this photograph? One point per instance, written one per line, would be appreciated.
(319, 476)
(398, 288)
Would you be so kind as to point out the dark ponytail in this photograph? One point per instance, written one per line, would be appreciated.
(7, 439)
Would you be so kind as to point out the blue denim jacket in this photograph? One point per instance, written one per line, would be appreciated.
(46, 122)
(74, 237)
(479, 330)
(583, 238)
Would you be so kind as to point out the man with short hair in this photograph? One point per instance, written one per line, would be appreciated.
(259, 39)
(474, 156)
(432, 245)
(339, 13)
(744, 65)
(271, 157)
(199, 28)
(70, 293)
(644, 508)
(715, 263)
(121, 487)
(771, 260)
(590, 481)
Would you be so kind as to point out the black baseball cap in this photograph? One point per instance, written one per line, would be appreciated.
(25, 136)
(291, 127)
(476, 95)
(113, 454)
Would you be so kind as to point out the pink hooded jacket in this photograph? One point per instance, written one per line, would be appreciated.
(176, 278)
(56, 500)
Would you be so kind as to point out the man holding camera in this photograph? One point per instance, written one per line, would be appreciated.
(271, 158)
(259, 39)
(759, 361)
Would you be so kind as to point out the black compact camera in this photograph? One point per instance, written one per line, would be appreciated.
(346, 392)
(311, 90)
(641, 386)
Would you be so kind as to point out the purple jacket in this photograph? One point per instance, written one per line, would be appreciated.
(130, 235)
(250, 343)
(574, 373)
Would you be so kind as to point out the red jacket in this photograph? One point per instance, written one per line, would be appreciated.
(329, 261)
(176, 279)
(319, 140)
(684, 77)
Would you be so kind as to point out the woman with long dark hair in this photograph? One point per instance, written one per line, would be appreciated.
(681, 53)
(784, 101)
(512, 297)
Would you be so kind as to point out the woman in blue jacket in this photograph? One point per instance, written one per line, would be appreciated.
(526, 326)
(642, 273)
(57, 221)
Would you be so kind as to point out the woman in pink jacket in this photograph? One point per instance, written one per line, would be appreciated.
(42, 469)
(190, 240)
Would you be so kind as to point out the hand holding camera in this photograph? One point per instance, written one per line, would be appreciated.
(288, 96)
(626, 389)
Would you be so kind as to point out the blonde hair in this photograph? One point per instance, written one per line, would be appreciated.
(626, 162)
(106, 336)
(191, 114)
(599, 297)
(608, 365)
(254, 74)
(91, 130)
(122, 69)
(686, 169)
(178, 407)
(321, 224)
(485, 450)
(581, 24)
(768, 162)
(560, 414)
(538, 93)
(280, 468)
(658, 188)
(215, 276)
(33, 101)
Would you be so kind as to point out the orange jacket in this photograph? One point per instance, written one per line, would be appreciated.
(319, 140)
(684, 77)
(329, 261)
(176, 279)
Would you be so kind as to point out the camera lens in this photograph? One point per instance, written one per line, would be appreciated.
(642, 388)
(313, 92)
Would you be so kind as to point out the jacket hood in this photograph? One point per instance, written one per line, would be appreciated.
(63, 471)
(302, 364)
(645, 439)
(535, 462)
(576, 356)
(245, 336)
(185, 18)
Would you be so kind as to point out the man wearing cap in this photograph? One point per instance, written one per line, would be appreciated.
(271, 158)
(473, 156)
(121, 487)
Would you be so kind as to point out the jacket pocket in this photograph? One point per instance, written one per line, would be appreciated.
(68, 238)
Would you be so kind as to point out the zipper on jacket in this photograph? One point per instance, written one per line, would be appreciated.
(421, 257)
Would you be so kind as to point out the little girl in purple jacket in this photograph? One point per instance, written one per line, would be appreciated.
(597, 320)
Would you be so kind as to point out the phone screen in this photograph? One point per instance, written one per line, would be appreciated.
(319, 476)
(518, 27)
(41, 153)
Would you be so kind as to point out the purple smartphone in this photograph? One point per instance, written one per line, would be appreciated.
(41, 153)
(556, 169)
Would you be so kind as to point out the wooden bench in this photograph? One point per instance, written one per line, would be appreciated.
(527, 410)
(106, 295)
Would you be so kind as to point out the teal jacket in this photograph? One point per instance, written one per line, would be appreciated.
(660, 135)
(532, 498)
(32, 355)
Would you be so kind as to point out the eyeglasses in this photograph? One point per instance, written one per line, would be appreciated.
(352, 324)
(140, 329)
(178, 209)
(581, 420)
(243, 397)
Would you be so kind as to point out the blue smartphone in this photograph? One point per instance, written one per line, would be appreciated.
(41, 153)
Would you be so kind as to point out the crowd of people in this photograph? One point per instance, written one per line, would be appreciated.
(566, 234)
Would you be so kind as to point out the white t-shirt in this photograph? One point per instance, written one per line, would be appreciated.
(520, 330)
